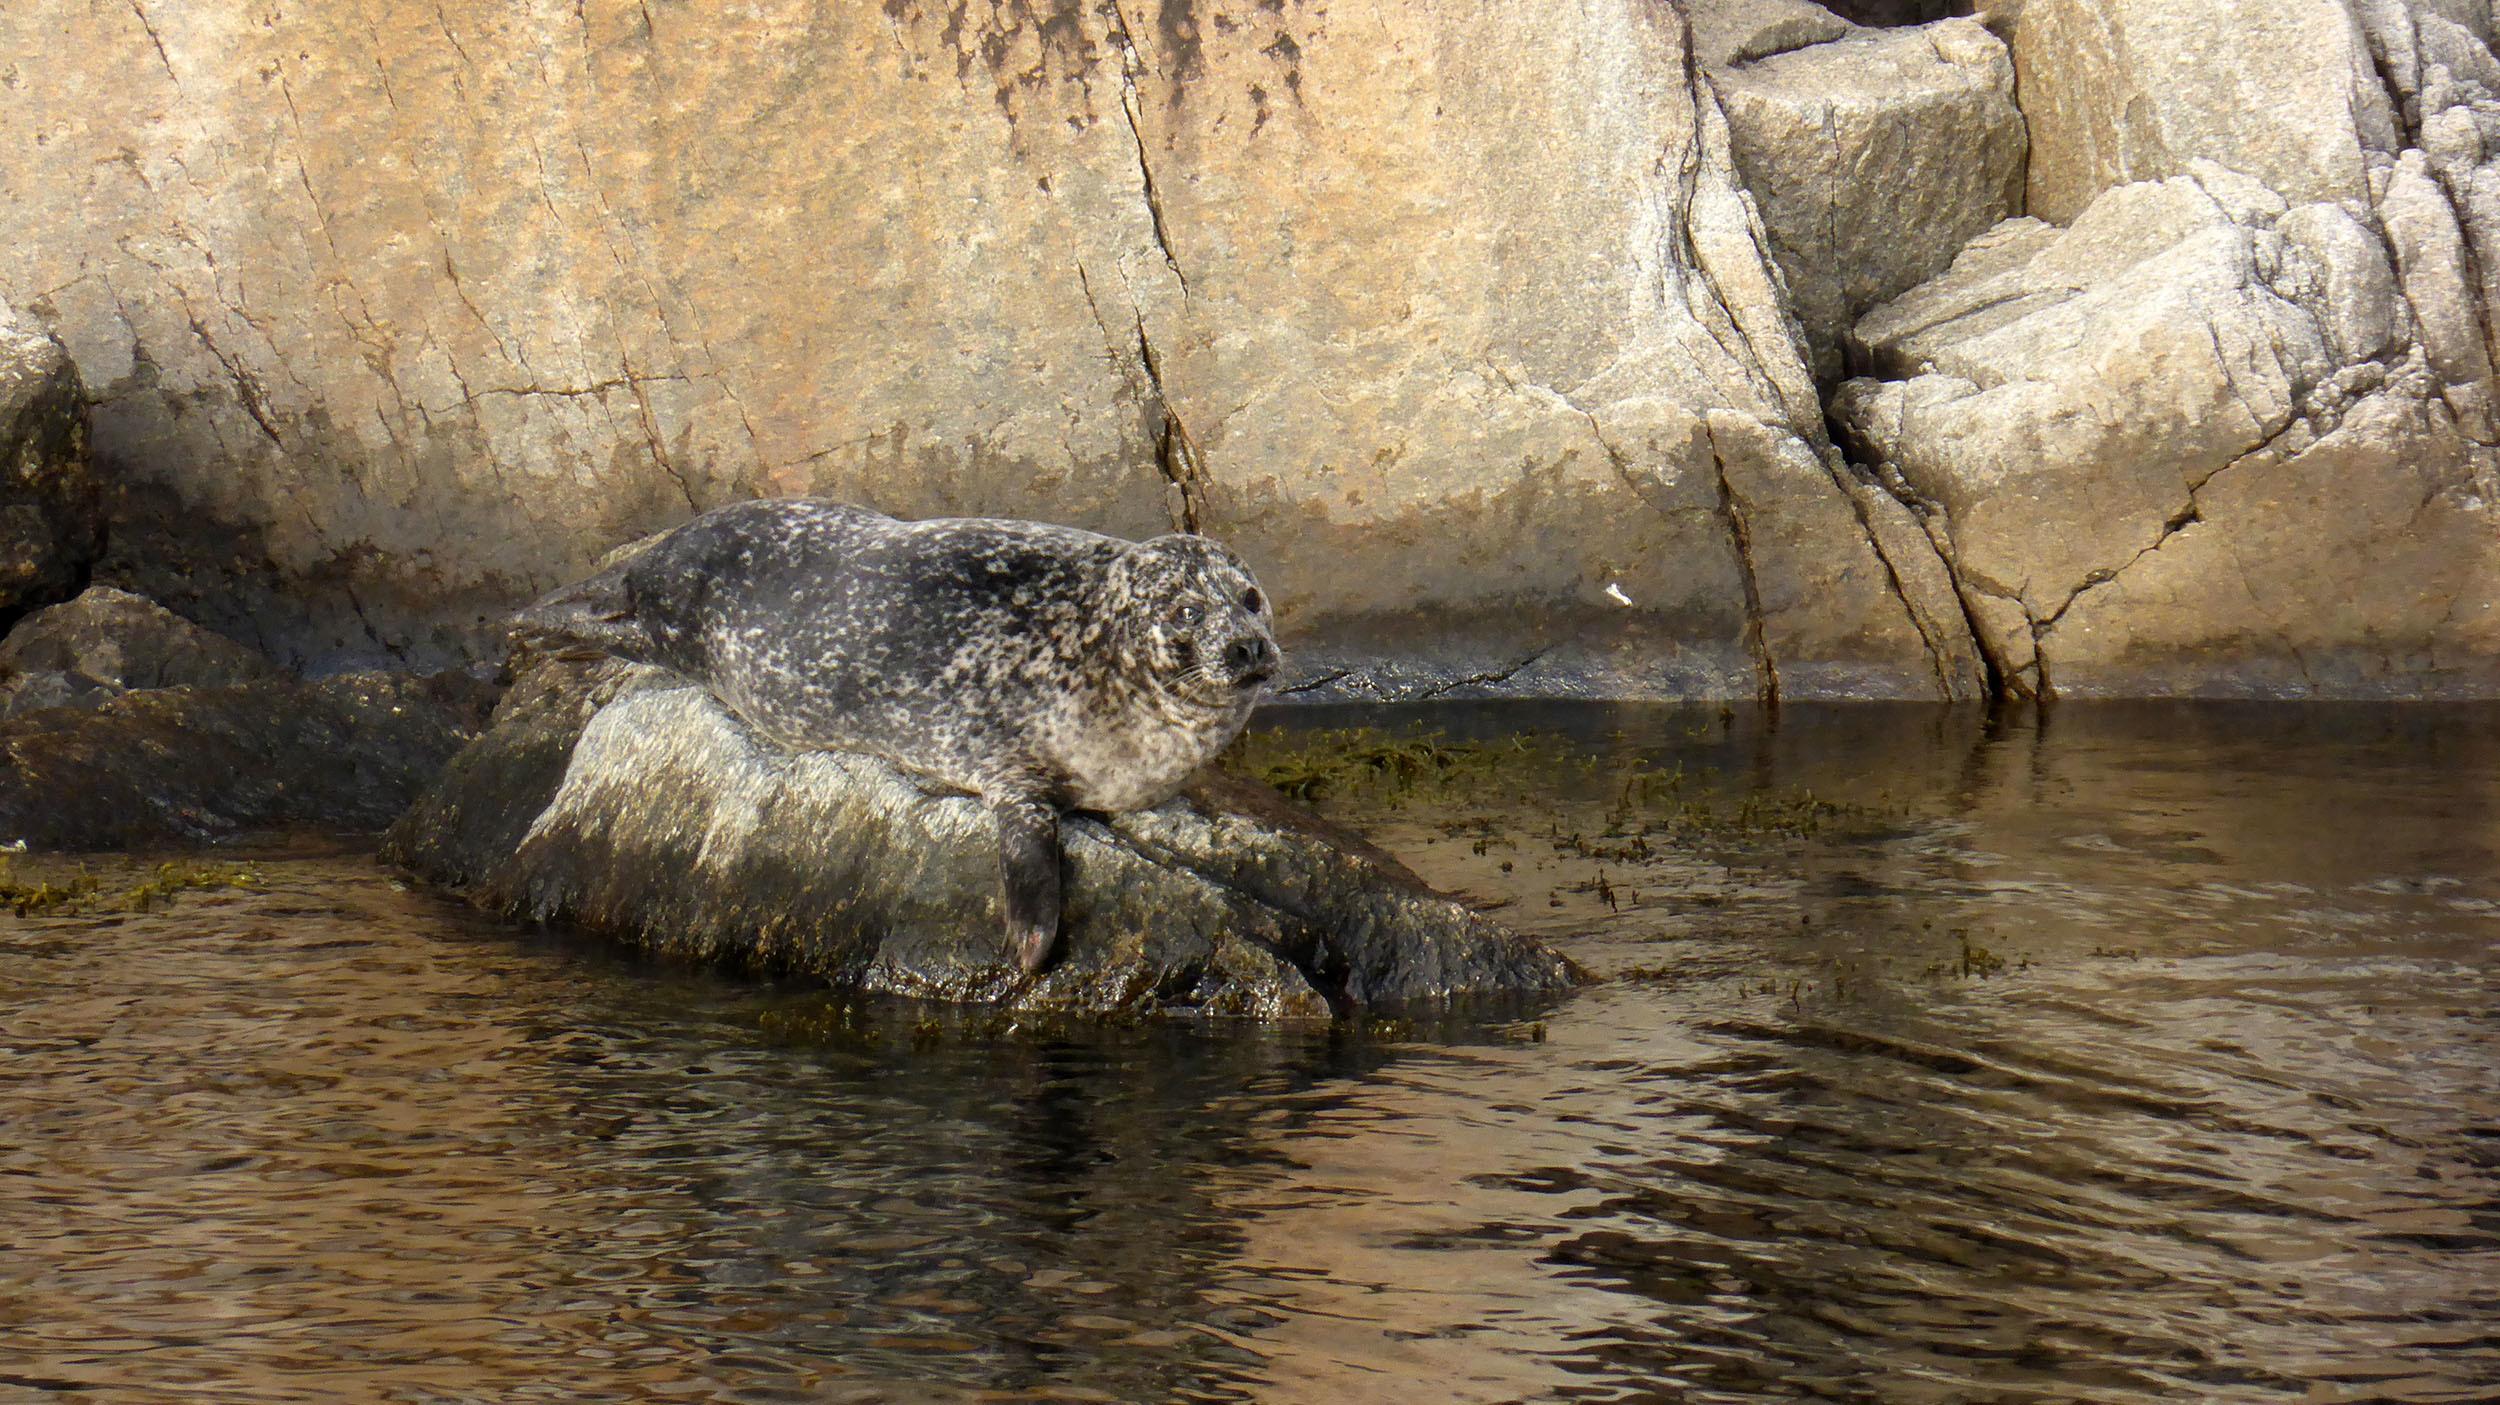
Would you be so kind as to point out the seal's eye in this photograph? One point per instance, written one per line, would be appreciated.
(1186, 614)
(1250, 600)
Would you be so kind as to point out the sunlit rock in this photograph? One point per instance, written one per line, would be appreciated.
(2197, 443)
(1454, 320)
(1874, 155)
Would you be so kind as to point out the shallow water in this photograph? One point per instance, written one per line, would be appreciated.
(2149, 1053)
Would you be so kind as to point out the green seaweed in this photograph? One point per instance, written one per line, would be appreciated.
(1370, 765)
(1339, 761)
(85, 893)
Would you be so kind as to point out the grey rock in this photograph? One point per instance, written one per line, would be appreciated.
(170, 766)
(2431, 262)
(626, 800)
(51, 520)
(107, 642)
(2355, 293)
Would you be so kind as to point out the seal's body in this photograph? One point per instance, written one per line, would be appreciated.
(1041, 668)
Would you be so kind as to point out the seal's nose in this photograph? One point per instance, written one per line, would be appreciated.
(1252, 659)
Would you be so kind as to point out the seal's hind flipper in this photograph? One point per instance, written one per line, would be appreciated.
(585, 620)
(1028, 868)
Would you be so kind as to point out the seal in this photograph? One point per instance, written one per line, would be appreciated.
(1040, 668)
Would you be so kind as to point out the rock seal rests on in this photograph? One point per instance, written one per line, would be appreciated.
(1039, 668)
(625, 800)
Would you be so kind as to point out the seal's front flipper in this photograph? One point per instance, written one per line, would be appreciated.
(1028, 866)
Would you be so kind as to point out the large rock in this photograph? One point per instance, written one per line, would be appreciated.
(2121, 91)
(2196, 443)
(1453, 318)
(51, 523)
(627, 800)
(184, 765)
(108, 642)
(2387, 109)
(2230, 430)
(1874, 156)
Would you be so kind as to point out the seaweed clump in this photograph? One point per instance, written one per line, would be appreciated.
(85, 892)
(1309, 766)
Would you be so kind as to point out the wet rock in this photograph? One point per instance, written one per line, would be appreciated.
(50, 518)
(108, 642)
(183, 765)
(1874, 157)
(626, 800)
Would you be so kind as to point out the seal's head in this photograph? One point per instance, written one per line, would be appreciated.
(1200, 625)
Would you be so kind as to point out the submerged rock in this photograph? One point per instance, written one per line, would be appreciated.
(108, 642)
(627, 800)
(181, 765)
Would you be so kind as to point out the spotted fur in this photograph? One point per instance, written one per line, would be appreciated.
(1041, 668)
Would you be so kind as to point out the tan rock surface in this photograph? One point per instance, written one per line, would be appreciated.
(1452, 318)
(1874, 158)
(2194, 444)
(1487, 333)
(2120, 91)
(2230, 431)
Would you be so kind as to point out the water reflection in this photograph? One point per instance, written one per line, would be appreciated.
(2141, 1053)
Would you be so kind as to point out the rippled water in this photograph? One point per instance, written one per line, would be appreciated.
(2146, 1053)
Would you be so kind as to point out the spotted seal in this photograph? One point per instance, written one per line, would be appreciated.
(1040, 668)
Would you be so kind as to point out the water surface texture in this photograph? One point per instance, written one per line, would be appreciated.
(2138, 1053)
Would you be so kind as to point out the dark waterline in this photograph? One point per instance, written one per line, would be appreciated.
(2137, 1052)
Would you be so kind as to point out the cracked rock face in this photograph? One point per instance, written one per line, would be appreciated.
(625, 799)
(2227, 430)
(50, 521)
(1494, 336)
(1452, 319)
